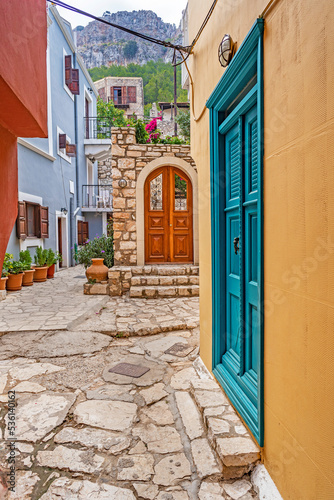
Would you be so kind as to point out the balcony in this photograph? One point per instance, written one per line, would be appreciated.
(97, 138)
(122, 102)
(96, 198)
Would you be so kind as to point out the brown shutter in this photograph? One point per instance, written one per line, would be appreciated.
(44, 222)
(71, 150)
(124, 95)
(68, 70)
(80, 242)
(84, 231)
(132, 94)
(21, 221)
(62, 141)
(74, 85)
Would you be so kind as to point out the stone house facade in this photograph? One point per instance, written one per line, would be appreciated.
(132, 165)
(126, 93)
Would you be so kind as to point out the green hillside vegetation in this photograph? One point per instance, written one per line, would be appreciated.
(158, 80)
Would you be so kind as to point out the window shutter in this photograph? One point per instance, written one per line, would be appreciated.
(102, 94)
(71, 150)
(62, 141)
(44, 221)
(84, 232)
(21, 221)
(132, 94)
(74, 85)
(68, 70)
(124, 95)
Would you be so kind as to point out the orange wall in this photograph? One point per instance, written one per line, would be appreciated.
(23, 85)
(298, 227)
(23, 91)
(8, 187)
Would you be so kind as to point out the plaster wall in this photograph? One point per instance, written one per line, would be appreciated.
(298, 226)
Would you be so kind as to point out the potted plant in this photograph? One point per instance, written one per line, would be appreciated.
(4, 272)
(15, 276)
(97, 255)
(41, 269)
(53, 258)
(26, 259)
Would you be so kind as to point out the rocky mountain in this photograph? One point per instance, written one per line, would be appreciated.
(100, 44)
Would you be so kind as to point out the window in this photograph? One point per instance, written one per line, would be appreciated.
(32, 221)
(63, 143)
(71, 77)
(117, 95)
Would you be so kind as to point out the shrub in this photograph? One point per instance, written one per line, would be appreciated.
(40, 257)
(26, 258)
(99, 247)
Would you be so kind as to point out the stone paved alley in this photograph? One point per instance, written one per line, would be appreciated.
(85, 432)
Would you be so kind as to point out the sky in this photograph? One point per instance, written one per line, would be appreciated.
(170, 11)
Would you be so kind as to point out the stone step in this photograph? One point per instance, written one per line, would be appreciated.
(226, 432)
(163, 270)
(151, 280)
(151, 292)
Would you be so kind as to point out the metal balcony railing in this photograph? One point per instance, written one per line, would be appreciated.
(97, 128)
(97, 196)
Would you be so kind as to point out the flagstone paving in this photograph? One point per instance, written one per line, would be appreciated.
(162, 431)
(85, 432)
(59, 304)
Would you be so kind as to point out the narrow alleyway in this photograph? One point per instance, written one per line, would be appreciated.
(111, 416)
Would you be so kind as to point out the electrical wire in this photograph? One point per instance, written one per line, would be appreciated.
(209, 14)
(196, 119)
(148, 38)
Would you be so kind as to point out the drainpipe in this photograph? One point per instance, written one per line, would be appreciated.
(76, 140)
(72, 228)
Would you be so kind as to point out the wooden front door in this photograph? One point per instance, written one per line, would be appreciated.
(168, 216)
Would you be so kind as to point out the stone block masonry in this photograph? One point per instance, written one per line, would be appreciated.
(128, 160)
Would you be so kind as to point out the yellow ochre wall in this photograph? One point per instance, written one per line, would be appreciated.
(298, 226)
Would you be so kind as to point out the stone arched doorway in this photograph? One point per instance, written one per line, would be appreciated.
(168, 220)
(191, 174)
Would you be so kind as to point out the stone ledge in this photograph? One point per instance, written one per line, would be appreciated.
(96, 289)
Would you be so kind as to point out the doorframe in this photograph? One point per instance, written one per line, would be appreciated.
(247, 61)
(64, 233)
(165, 161)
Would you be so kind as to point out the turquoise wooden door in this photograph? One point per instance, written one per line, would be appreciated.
(240, 363)
(236, 180)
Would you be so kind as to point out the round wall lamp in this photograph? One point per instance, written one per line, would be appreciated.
(226, 50)
(122, 183)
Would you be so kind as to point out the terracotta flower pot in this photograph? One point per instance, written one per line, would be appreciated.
(3, 283)
(28, 278)
(97, 271)
(51, 271)
(14, 282)
(40, 274)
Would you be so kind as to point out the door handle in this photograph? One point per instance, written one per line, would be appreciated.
(236, 245)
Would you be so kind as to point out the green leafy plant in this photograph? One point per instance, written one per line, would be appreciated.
(16, 267)
(53, 257)
(5, 266)
(110, 115)
(141, 133)
(183, 120)
(99, 247)
(26, 259)
(40, 257)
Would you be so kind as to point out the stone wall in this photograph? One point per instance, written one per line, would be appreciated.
(128, 160)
